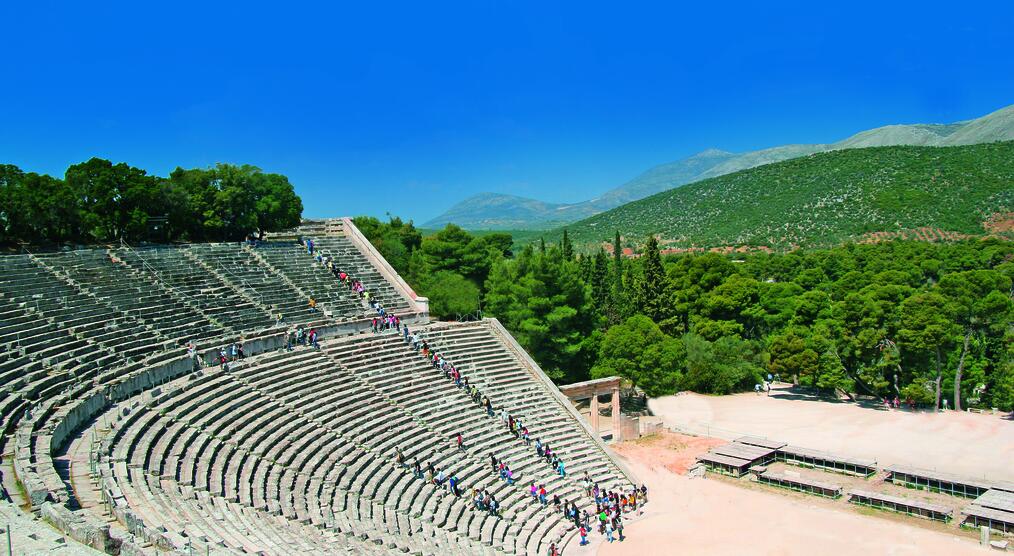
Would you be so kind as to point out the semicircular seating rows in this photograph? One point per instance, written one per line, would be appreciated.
(286, 451)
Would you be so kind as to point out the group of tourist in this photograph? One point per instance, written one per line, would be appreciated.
(224, 355)
(485, 502)
(354, 285)
(301, 337)
(501, 469)
(430, 474)
(386, 321)
(609, 509)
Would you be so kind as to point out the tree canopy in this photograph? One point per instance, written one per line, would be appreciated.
(909, 319)
(99, 201)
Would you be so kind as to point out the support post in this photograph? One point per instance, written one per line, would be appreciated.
(595, 413)
(617, 435)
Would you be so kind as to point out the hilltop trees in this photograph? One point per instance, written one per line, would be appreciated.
(824, 199)
(227, 201)
(98, 201)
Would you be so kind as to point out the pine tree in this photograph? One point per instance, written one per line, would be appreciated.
(599, 280)
(566, 246)
(617, 297)
(651, 290)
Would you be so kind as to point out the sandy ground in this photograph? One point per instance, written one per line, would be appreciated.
(968, 444)
(712, 516)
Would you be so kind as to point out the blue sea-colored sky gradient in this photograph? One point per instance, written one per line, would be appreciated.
(406, 108)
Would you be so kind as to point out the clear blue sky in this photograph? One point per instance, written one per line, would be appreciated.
(407, 108)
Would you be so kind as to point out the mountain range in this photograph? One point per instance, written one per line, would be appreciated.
(824, 199)
(496, 211)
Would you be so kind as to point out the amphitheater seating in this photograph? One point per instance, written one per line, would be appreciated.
(252, 279)
(350, 259)
(321, 462)
(285, 451)
(292, 262)
(174, 271)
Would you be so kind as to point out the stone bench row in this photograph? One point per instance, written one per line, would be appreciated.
(405, 376)
(500, 376)
(171, 269)
(200, 479)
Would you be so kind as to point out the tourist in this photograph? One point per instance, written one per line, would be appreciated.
(312, 305)
(584, 535)
(194, 357)
(609, 531)
(461, 442)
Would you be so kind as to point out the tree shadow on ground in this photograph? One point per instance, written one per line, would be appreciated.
(802, 394)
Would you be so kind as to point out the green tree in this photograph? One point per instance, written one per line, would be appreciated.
(600, 282)
(451, 294)
(980, 301)
(116, 199)
(640, 352)
(928, 326)
(566, 246)
(726, 365)
(542, 300)
(651, 292)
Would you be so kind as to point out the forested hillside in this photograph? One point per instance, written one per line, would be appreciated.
(823, 199)
(98, 201)
(921, 321)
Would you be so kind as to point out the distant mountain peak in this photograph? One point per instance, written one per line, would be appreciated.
(711, 153)
(494, 210)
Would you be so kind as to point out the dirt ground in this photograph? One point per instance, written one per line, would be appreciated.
(967, 444)
(726, 517)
